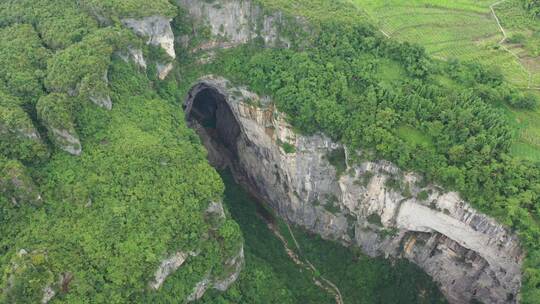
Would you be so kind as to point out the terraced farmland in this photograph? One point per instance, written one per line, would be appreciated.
(468, 30)
(461, 29)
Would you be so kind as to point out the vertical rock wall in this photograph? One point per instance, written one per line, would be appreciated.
(233, 22)
(374, 205)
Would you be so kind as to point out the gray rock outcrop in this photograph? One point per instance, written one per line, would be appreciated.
(69, 142)
(134, 54)
(158, 32)
(54, 112)
(221, 283)
(100, 95)
(373, 205)
(233, 22)
(167, 267)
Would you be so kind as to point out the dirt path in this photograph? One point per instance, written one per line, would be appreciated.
(503, 40)
(501, 44)
(321, 281)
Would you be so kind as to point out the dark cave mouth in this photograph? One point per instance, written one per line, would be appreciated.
(208, 112)
(210, 115)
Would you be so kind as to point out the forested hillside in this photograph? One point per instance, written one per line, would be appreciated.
(394, 102)
(102, 182)
(502, 35)
(95, 227)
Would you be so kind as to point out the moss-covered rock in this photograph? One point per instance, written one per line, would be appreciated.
(54, 111)
(19, 138)
(16, 184)
(28, 279)
(82, 68)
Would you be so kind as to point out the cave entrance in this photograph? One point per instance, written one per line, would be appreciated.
(209, 114)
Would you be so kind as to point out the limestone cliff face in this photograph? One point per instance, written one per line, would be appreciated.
(233, 22)
(158, 32)
(372, 205)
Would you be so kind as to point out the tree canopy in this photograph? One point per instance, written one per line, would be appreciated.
(338, 86)
(103, 221)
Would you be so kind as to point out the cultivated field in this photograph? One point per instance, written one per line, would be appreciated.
(469, 30)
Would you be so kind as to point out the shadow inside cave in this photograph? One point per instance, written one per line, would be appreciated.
(209, 114)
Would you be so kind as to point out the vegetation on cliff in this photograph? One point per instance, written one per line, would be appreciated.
(361, 89)
(137, 194)
(95, 228)
(270, 276)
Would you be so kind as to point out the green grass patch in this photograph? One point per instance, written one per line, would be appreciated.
(390, 71)
(287, 147)
(527, 132)
(462, 29)
(525, 151)
(414, 136)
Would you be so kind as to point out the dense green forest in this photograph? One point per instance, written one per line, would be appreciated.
(102, 221)
(361, 89)
(271, 277)
(138, 191)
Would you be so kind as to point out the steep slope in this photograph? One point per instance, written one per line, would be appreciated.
(391, 102)
(469, 254)
(105, 194)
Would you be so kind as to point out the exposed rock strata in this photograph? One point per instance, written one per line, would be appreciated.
(66, 141)
(54, 112)
(134, 54)
(168, 267)
(101, 97)
(223, 282)
(233, 22)
(468, 253)
(157, 30)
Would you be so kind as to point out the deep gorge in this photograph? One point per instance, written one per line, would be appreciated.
(315, 159)
(243, 132)
(209, 114)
